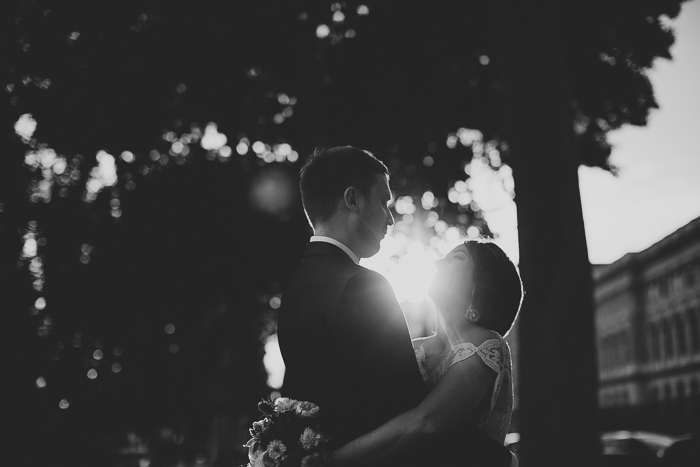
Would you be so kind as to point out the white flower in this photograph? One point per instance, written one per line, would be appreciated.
(269, 461)
(310, 438)
(284, 403)
(276, 449)
(307, 409)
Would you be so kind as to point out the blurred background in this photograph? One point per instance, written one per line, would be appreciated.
(150, 216)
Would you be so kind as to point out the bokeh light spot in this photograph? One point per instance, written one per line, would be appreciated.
(25, 126)
(274, 364)
(259, 147)
(30, 247)
(225, 151)
(322, 31)
(212, 139)
(40, 303)
(64, 404)
(273, 192)
(104, 174)
(92, 373)
(242, 148)
(169, 328)
(40, 382)
(428, 200)
(452, 141)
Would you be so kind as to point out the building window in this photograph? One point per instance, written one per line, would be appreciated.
(663, 287)
(668, 391)
(689, 275)
(654, 344)
(610, 357)
(620, 349)
(625, 347)
(616, 350)
(694, 387)
(650, 292)
(680, 335)
(654, 394)
(603, 354)
(667, 337)
(624, 397)
(694, 331)
(680, 389)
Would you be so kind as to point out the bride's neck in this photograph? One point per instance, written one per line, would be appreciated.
(452, 326)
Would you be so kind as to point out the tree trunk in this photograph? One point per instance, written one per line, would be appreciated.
(557, 355)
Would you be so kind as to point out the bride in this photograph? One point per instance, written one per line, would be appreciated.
(477, 293)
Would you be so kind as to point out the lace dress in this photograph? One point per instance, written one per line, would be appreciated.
(493, 414)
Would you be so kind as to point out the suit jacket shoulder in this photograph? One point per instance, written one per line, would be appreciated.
(345, 343)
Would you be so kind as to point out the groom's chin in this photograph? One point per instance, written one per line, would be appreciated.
(371, 251)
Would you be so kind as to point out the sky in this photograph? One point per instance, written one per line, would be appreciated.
(657, 190)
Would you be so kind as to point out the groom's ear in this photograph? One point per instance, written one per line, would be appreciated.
(351, 199)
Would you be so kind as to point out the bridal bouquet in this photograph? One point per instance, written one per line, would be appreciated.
(287, 435)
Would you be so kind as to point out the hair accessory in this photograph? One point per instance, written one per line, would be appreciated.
(472, 314)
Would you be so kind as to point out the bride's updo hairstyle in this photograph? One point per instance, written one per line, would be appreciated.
(498, 291)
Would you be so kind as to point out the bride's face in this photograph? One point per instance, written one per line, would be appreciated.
(454, 280)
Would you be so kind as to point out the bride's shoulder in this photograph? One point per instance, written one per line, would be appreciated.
(478, 336)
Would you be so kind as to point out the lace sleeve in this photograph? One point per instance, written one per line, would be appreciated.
(489, 351)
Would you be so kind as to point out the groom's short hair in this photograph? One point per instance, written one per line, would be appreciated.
(327, 173)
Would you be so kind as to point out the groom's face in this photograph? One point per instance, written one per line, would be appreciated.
(374, 217)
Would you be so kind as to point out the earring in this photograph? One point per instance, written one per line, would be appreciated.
(472, 314)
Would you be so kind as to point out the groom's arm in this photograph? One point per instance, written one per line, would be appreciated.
(374, 343)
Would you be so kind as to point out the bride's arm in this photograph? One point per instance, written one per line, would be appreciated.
(454, 397)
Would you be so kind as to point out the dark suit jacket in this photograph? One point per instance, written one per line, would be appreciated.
(347, 348)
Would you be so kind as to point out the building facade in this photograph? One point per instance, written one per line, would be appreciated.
(648, 323)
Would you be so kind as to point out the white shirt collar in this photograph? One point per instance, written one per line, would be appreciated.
(333, 241)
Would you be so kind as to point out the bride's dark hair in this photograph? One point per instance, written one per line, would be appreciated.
(498, 290)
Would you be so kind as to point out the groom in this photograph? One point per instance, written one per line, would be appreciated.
(342, 334)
